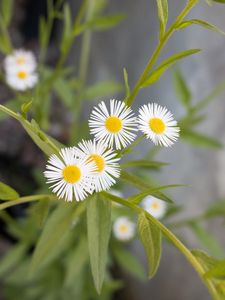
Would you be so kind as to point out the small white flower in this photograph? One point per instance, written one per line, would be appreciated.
(105, 161)
(71, 176)
(20, 59)
(124, 229)
(158, 124)
(21, 79)
(154, 206)
(113, 126)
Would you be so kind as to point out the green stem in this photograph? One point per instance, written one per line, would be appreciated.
(83, 67)
(158, 50)
(177, 243)
(26, 200)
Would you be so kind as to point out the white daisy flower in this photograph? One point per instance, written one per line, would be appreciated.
(124, 229)
(113, 126)
(154, 206)
(158, 124)
(71, 176)
(21, 79)
(20, 59)
(106, 163)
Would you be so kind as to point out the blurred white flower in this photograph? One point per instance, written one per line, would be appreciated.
(21, 79)
(158, 124)
(154, 206)
(20, 59)
(124, 229)
(71, 176)
(114, 126)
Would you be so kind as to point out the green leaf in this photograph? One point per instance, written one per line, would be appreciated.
(127, 87)
(153, 191)
(129, 262)
(99, 229)
(150, 236)
(215, 210)
(26, 107)
(102, 89)
(202, 23)
(206, 239)
(163, 15)
(206, 261)
(157, 73)
(142, 185)
(67, 29)
(64, 92)
(12, 258)
(183, 92)
(199, 139)
(76, 261)
(7, 193)
(143, 164)
(219, 1)
(6, 11)
(57, 225)
(217, 271)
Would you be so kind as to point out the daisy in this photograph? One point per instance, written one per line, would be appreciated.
(113, 126)
(158, 124)
(105, 161)
(124, 229)
(20, 59)
(21, 79)
(70, 176)
(154, 206)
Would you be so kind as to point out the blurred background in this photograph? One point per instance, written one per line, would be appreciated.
(130, 45)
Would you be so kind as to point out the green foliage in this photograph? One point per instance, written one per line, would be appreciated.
(200, 139)
(6, 10)
(202, 23)
(102, 89)
(7, 193)
(163, 16)
(183, 92)
(157, 73)
(129, 262)
(150, 236)
(99, 229)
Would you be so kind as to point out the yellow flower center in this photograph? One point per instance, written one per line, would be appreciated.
(157, 125)
(99, 162)
(71, 174)
(123, 228)
(22, 74)
(20, 60)
(155, 205)
(113, 124)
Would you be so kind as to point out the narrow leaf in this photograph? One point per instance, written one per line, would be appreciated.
(99, 229)
(127, 87)
(151, 238)
(217, 271)
(102, 89)
(129, 262)
(157, 73)
(183, 92)
(7, 193)
(163, 15)
(202, 23)
(143, 164)
(199, 139)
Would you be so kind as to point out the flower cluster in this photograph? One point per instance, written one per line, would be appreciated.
(93, 165)
(20, 68)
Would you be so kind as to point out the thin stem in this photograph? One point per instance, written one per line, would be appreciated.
(25, 200)
(83, 67)
(177, 243)
(158, 50)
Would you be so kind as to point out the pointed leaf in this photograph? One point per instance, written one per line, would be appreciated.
(143, 163)
(183, 92)
(7, 193)
(99, 229)
(199, 139)
(163, 15)
(150, 236)
(101, 89)
(129, 262)
(202, 23)
(157, 73)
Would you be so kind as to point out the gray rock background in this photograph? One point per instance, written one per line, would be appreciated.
(130, 45)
